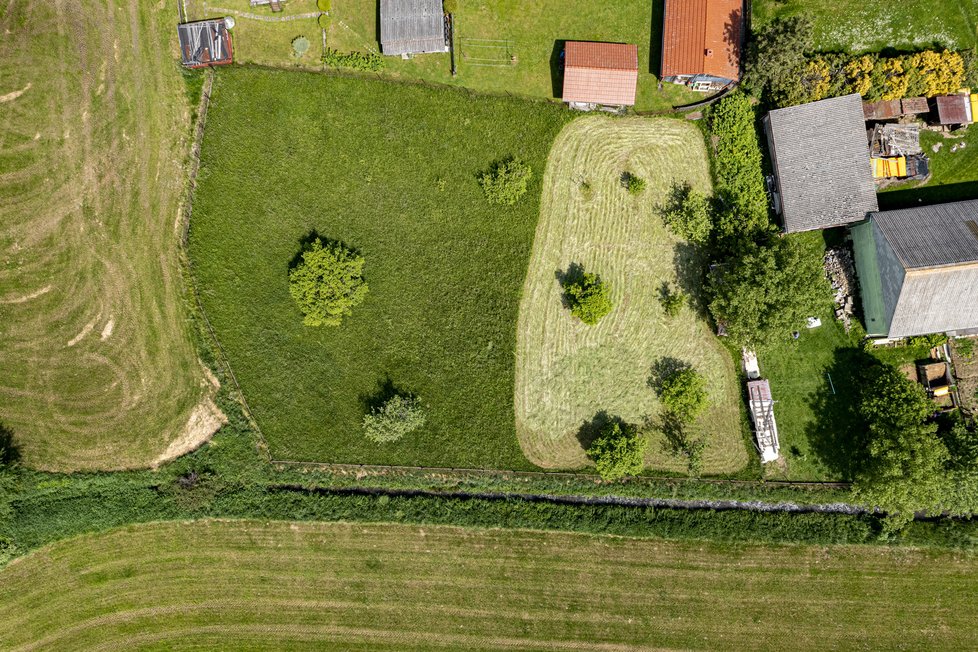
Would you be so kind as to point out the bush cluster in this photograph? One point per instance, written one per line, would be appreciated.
(300, 45)
(589, 297)
(672, 300)
(356, 60)
(506, 181)
(398, 416)
(687, 214)
(633, 184)
(875, 77)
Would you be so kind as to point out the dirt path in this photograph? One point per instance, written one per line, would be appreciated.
(568, 372)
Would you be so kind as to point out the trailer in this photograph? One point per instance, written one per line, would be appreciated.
(761, 407)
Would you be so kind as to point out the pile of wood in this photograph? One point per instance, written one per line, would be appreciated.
(841, 270)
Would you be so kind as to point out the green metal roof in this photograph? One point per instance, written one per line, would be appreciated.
(870, 284)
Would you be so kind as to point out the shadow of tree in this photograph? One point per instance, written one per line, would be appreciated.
(9, 451)
(557, 69)
(688, 261)
(665, 368)
(838, 437)
(573, 274)
(591, 428)
(383, 392)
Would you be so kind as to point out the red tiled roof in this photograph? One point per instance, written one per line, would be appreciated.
(703, 37)
(600, 73)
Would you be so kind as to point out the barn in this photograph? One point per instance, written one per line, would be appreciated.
(412, 27)
(702, 43)
(918, 270)
(204, 43)
(820, 155)
(600, 74)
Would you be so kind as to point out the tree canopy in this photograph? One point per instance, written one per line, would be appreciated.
(506, 182)
(618, 451)
(398, 416)
(768, 290)
(776, 60)
(683, 393)
(589, 297)
(327, 283)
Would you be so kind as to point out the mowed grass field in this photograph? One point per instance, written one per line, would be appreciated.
(389, 169)
(567, 372)
(257, 586)
(512, 46)
(873, 25)
(99, 370)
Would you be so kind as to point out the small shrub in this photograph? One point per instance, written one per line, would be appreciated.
(683, 392)
(589, 297)
(300, 45)
(672, 300)
(618, 451)
(398, 416)
(323, 21)
(687, 214)
(965, 347)
(450, 6)
(370, 61)
(930, 341)
(327, 283)
(633, 184)
(506, 182)
(323, 5)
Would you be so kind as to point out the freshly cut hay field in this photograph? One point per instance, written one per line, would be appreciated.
(98, 367)
(568, 372)
(390, 169)
(258, 586)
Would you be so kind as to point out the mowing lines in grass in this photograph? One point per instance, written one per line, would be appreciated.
(391, 170)
(98, 371)
(568, 371)
(313, 586)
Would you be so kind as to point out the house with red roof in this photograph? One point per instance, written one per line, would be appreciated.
(702, 43)
(600, 75)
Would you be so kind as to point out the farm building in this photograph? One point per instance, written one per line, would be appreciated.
(761, 407)
(702, 43)
(204, 43)
(956, 109)
(600, 74)
(822, 172)
(412, 27)
(918, 270)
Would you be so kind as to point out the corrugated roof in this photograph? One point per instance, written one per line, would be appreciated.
(204, 43)
(882, 110)
(600, 73)
(702, 37)
(411, 26)
(932, 236)
(953, 109)
(821, 159)
(914, 105)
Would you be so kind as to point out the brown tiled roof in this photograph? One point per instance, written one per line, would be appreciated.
(703, 37)
(600, 73)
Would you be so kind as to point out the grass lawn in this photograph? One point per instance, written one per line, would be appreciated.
(502, 46)
(255, 586)
(568, 372)
(99, 370)
(874, 25)
(391, 170)
(954, 175)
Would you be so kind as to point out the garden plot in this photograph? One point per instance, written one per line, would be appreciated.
(567, 373)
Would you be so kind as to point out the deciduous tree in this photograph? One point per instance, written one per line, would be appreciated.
(327, 283)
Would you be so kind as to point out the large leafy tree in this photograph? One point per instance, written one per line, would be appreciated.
(590, 298)
(327, 283)
(618, 451)
(904, 471)
(776, 62)
(768, 290)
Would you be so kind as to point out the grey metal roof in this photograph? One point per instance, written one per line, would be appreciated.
(932, 236)
(204, 42)
(411, 26)
(821, 159)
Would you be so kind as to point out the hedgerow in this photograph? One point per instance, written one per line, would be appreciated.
(356, 60)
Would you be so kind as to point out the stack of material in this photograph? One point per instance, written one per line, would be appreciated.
(900, 140)
(841, 270)
(762, 414)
